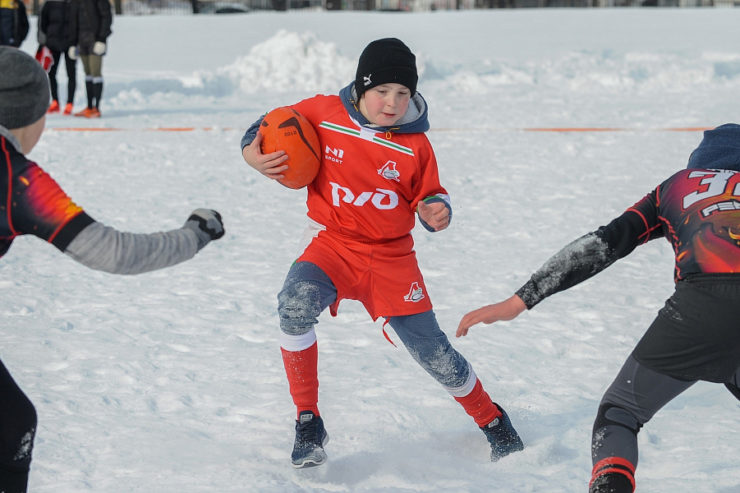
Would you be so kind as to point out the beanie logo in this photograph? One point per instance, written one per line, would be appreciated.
(366, 80)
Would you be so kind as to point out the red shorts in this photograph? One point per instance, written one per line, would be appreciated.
(385, 277)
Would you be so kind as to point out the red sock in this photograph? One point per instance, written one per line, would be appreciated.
(479, 405)
(615, 465)
(301, 367)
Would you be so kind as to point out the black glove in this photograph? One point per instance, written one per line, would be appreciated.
(207, 225)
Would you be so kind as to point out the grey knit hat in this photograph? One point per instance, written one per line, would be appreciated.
(24, 88)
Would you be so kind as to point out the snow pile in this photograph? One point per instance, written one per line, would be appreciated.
(584, 72)
(302, 58)
(287, 62)
(290, 62)
(303, 64)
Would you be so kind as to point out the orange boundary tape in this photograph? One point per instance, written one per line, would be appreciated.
(577, 129)
(474, 129)
(574, 129)
(121, 129)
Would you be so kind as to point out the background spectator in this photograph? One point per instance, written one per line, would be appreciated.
(13, 22)
(53, 32)
(90, 26)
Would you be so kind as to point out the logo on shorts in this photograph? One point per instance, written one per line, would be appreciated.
(416, 294)
(389, 172)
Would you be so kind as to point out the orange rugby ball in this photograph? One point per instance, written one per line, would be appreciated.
(284, 129)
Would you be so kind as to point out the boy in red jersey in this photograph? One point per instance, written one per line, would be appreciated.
(696, 335)
(31, 202)
(377, 170)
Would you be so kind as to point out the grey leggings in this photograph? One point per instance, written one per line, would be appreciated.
(631, 401)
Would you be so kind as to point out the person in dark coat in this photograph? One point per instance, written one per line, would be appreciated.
(13, 22)
(53, 32)
(90, 26)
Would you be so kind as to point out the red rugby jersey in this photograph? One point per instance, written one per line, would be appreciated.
(369, 183)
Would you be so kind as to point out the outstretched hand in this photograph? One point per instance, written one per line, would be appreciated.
(271, 165)
(505, 310)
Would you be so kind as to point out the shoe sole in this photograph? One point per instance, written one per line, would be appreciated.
(315, 459)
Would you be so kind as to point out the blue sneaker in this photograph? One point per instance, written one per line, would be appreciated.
(502, 436)
(310, 438)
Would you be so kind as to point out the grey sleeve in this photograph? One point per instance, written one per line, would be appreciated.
(251, 132)
(578, 261)
(104, 248)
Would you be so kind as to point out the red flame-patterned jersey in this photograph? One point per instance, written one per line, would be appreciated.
(698, 211)
(31, 202)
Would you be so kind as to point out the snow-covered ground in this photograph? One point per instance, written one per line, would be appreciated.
(172, 381)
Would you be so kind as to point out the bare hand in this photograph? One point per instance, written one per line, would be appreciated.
(505, 310)
(271, 165)
(436, 214)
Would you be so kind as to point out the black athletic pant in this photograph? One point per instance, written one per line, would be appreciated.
(71, 66)
(695, 337)
(17, 431)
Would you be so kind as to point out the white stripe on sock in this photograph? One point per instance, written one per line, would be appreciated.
(299, 342)
(465, 388)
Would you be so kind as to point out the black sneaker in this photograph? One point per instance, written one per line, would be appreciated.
(502, 436)
(310, 438)
(611, 482)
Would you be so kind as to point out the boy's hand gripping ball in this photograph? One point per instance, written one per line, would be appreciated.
(284, 129)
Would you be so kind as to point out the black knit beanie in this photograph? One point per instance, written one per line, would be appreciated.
(24, 89)
(386, 60)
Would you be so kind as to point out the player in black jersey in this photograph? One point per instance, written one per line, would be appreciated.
(31, 202)
(696, 335)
